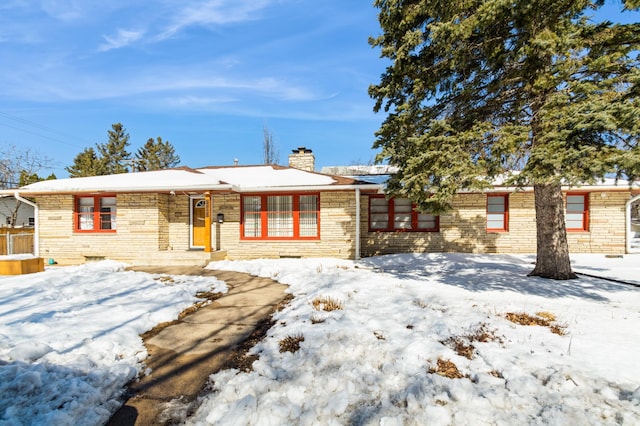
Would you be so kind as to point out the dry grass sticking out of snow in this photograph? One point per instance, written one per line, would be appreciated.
(425, 339)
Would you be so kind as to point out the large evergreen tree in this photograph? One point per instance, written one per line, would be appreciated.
(479, 88)
(156, 155)
(113, 154)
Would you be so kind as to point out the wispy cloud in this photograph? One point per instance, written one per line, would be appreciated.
(67, 10)
(170, 18)
(211, 13)
(195, 85)
(122, 38)
(197, 101)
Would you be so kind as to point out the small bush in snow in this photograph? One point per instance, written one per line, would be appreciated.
(447, 369)
(327, 304)
(460, 346)
(291, 343)
(463, 345)
(544, 319)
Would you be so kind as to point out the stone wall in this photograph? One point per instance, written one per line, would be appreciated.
(154, 224)
(463, 229)
(142, 229)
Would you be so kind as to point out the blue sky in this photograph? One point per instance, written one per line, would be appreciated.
(205, 75)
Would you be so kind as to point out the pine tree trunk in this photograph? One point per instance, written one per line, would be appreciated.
(552, 258)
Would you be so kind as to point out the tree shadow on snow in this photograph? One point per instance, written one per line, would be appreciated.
(483, 273)
(46, 393)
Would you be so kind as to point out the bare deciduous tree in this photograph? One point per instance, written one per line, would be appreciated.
(19, 167)
(270, 152)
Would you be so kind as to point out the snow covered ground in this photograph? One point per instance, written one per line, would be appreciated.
(376, 360)
(69, 343)
(69, 338)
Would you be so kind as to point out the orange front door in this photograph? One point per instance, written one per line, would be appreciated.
(198, 210)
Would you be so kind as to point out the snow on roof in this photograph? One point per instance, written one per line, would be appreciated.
(162, 180)
(267, 176)
(380, 173)
(360, 170)
(236, 178)
(242, 179)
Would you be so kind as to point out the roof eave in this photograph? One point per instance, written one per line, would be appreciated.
(119, 190)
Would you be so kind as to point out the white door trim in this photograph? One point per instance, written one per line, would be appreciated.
(191, 199)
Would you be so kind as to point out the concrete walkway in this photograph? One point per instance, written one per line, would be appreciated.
(184, 354)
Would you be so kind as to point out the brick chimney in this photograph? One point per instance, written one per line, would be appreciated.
(303, 159)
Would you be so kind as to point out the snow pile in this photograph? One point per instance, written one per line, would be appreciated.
(69, 338)
(17, 256)
(408, 321)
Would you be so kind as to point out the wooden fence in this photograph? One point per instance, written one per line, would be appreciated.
(16, 240)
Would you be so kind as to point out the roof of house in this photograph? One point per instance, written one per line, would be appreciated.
(183, 179)
(244, 179)
(380, 173)
(360, 170)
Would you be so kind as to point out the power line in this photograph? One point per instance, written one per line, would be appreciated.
(38, 126)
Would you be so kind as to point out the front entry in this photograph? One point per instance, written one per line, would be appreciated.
(198, 230)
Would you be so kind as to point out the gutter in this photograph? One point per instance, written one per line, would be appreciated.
(36, 236)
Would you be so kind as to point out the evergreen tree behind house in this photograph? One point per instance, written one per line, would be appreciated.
(155, 155)
(113, 157)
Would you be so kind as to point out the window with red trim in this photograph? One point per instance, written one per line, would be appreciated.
(95, 214)
(498, 212)
(280, 217)
(577, 212)
(399, 214)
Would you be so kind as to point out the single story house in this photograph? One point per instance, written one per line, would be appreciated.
(188, 215)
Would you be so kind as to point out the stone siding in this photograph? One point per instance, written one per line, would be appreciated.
(302, 159)
(151, 225)
(463, 229)
(142, 230)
